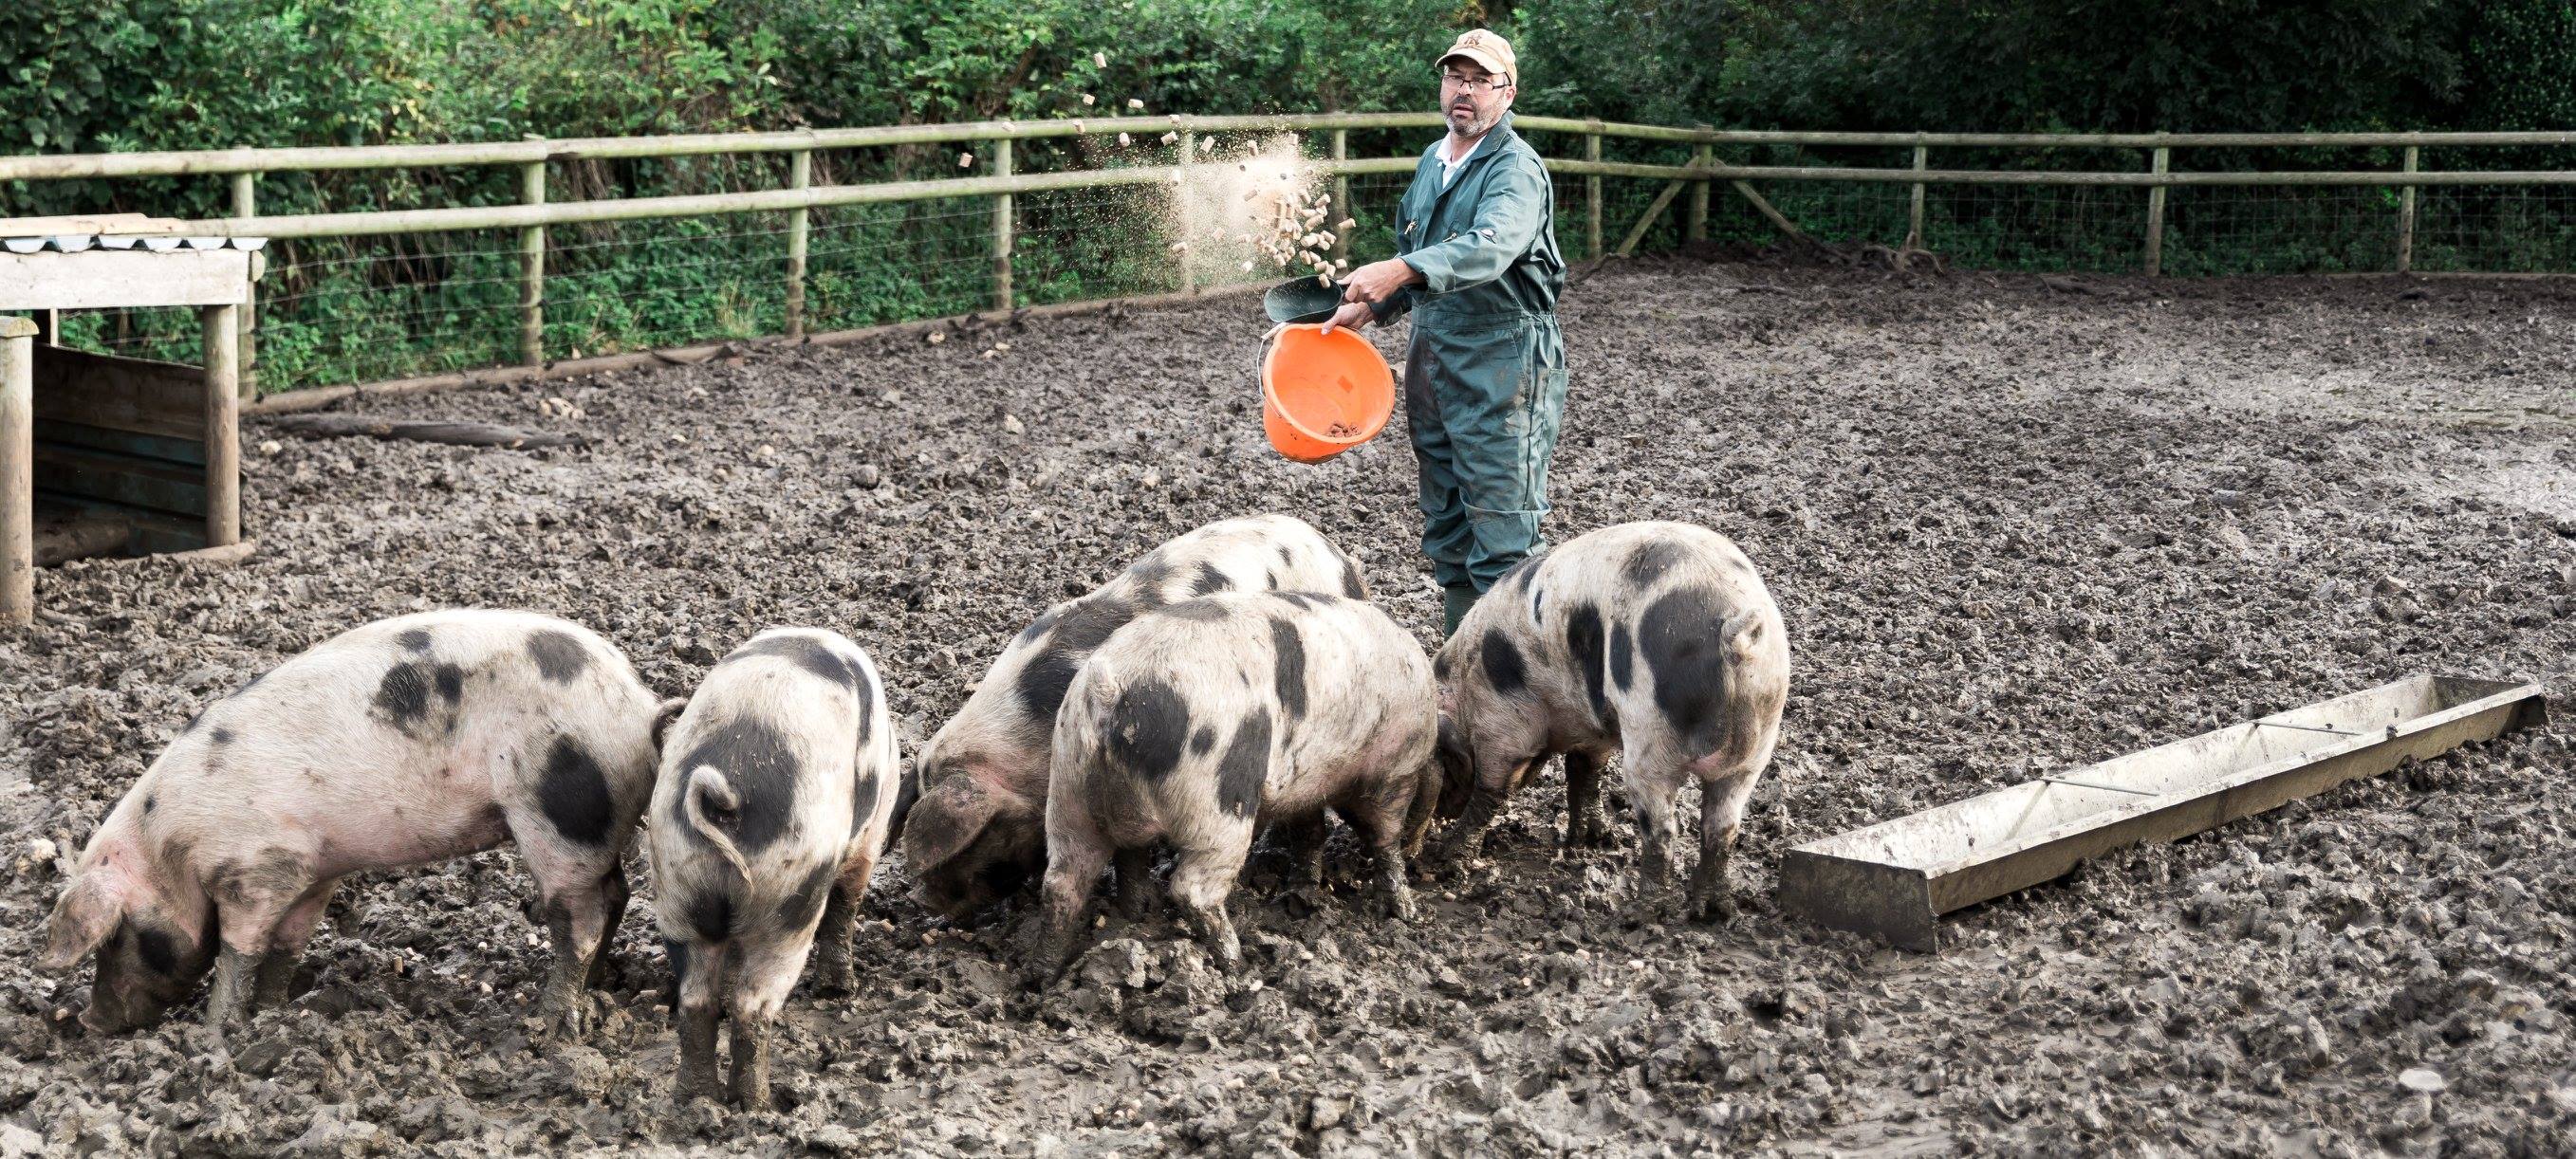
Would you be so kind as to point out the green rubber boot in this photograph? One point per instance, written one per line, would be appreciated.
(1454, 603)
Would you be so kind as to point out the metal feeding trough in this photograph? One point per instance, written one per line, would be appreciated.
(1894, 880)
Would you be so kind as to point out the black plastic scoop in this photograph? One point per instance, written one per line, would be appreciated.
(1301, 301)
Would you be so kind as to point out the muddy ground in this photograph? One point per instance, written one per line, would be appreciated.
(2015, 526)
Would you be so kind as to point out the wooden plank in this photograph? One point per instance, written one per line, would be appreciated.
(151, 484)
(135, 395)
(17, 490)
(1890, 880)
(105, 279)
(65, 532)
(148, 532)
(222, 474)
(124, 223)
(185, 452)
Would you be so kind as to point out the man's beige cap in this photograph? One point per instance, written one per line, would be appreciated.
(1489, 50)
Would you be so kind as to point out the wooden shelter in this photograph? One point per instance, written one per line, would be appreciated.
(109, 452)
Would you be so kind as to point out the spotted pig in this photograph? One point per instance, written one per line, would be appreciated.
(403, 742)
(777, 788)
(978, 832)
(1654, 640)
(1200, 722)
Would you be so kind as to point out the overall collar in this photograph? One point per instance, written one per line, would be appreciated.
(1494, 141)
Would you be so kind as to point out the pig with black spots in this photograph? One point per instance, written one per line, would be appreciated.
(1206, 720)
(978, 832)
(778, 786)
(403, 742)
(1656, 641)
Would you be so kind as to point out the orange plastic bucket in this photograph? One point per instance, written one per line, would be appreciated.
(1323, 394)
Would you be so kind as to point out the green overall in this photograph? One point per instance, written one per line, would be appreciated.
(1484, 377)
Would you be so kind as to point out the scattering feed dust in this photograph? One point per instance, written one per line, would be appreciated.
(1253, 205)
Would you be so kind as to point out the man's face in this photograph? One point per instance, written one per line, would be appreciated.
(1473, 99)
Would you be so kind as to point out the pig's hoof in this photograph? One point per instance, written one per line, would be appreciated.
(835, 976)
(568, 1018)
(1712, 909)
(1589, 831)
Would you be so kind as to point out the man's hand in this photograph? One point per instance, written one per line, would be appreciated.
(1355, 315)
(1374, 281)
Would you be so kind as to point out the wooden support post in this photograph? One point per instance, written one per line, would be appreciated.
(1002, 228)
(2156, 217)
(222, 328)
(1695, 224)
(246, 204)
(17, 470)
(532, 269)
(1646, 221)
(1342, 195)
(1592, 192)
(1914, 203)
(2406, 220)
(1188, 217)
(1765, 208)
(800, 175)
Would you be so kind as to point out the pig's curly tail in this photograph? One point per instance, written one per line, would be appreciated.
(708, 804)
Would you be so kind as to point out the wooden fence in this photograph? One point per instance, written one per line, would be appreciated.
(992, 139)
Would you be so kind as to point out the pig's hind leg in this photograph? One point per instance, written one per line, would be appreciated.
(574, 899)
(833, 973)
(1204, 867)
(698, 982)
(764, 971)
(1721, 816)
(1586, 826)
(1381, 815)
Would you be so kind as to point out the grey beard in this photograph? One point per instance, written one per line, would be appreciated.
(1480, 126)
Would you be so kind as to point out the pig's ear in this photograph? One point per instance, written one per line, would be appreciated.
(663, 716)
(86, 915)
(945, 820)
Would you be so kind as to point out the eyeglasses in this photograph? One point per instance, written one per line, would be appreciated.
(1480, 87)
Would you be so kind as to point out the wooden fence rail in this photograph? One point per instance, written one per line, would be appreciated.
(535, 212)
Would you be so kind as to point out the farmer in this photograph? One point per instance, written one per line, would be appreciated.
(1484, 378)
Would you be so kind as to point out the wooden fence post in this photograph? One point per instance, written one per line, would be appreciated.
(1592, 190)
(2406, 220)
(1914, 203)
(1342, 194)
(2156, 216)
(246, 204)
(221, 325)
(1695, 223)
(1189, 219)
(1002, 228)
(532, 267)
(17, 470)
(800, 175)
